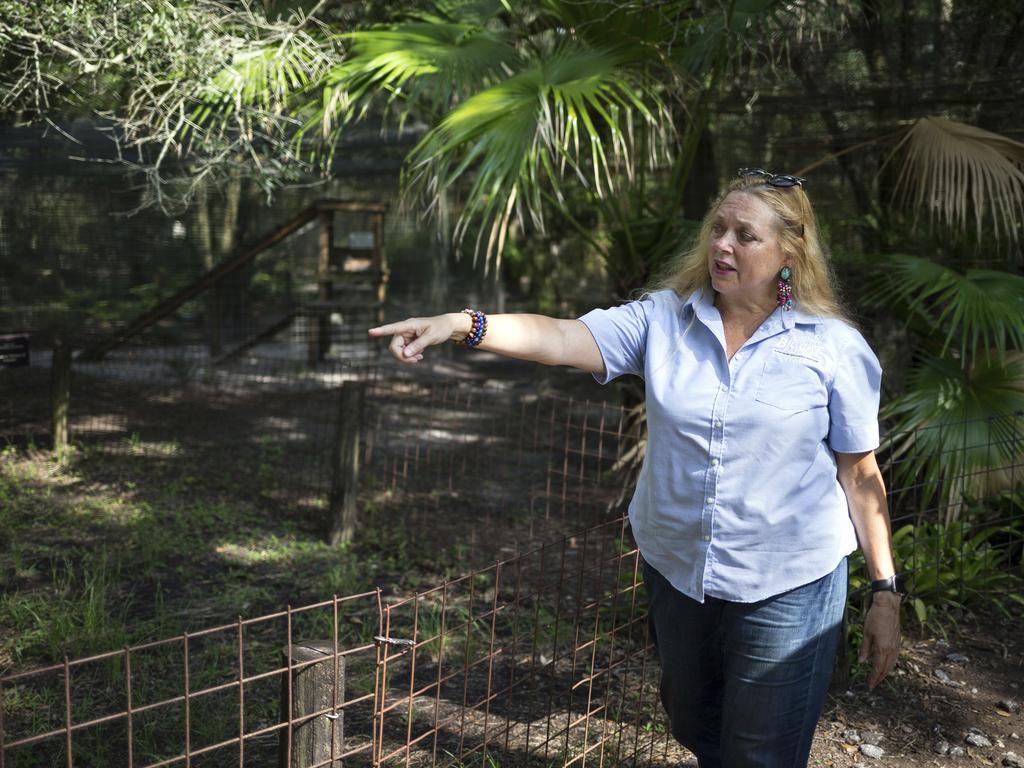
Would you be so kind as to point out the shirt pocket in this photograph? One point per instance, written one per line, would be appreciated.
(791, 383)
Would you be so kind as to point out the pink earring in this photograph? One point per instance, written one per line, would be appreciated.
(785, 294)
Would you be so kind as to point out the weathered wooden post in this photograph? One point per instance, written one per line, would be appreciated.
(318, 684)
(345, 463)
(60, 396)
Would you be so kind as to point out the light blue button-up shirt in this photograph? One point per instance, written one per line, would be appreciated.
(738, 496)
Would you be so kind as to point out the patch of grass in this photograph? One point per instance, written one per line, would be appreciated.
(463, 636)
(80, 612)
(271, 456)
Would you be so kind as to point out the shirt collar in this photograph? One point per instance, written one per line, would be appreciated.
(702, 301)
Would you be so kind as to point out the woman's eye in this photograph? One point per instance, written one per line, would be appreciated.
(747, 237)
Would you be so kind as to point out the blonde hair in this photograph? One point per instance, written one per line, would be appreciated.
(814, 286)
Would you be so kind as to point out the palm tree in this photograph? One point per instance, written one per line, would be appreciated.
(961, 417)
(587, 111)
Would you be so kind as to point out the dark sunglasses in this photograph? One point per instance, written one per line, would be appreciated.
(783, 181)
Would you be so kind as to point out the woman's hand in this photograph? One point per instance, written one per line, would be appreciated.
(861, 479)
(414, 335)
(881, 643)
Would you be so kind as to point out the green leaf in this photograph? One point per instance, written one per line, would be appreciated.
(978, 311)
(952, 426)
(920, 610)
(571, 110)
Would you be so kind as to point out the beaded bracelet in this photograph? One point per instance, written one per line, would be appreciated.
(476, 335)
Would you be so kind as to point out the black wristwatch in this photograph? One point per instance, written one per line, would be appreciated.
(892, 584)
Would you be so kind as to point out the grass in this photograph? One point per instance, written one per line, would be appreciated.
(77, 612)
(92, 557)
(152, 539)
(105, 551)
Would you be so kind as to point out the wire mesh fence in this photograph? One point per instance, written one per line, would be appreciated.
(528, 458)
(539, 465)
(295, 285)
(541, 658)
(536, 654)
(269, 421)
(529, 466)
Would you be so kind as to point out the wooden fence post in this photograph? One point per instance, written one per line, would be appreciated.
(60, 396)
(315, 687)
(345, 464)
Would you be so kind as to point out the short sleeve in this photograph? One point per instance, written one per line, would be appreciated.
(853, 400)
(621, 335)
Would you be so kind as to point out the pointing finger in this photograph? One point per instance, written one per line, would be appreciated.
(403, 326)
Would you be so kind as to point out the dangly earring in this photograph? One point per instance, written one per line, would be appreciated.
(785, 294)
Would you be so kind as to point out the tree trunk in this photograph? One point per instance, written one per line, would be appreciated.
(213, 304)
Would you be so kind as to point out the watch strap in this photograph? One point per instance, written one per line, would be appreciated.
(892, 584)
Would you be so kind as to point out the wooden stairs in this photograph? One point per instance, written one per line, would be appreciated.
(347, 278)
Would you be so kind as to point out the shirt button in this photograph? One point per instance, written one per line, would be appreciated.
(718, 423)
(714, 462)
(707, 538)
(711, 499)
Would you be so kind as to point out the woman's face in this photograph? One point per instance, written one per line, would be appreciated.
(744, 256)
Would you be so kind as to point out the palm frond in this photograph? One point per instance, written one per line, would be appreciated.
(457, 53)
(956, 172)
(425, 64)
(608, 24)
(477, 11)
(953, 427)
(574, 110)
(263, 78)
(980, 308)
(701, 39)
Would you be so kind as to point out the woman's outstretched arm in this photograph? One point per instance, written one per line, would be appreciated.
(525, 337)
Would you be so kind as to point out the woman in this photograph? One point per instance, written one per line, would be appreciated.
(760, 475)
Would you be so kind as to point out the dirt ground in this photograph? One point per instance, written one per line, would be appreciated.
(951, 701)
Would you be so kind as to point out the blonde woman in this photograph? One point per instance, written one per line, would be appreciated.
(760, 475)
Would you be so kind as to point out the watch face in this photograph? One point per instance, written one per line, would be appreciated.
(899, 584)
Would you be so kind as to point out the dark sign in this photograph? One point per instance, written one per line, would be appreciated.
(14, 350)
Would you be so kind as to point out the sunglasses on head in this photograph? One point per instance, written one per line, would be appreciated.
(783, 181)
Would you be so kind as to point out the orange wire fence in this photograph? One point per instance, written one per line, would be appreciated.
(540, 659)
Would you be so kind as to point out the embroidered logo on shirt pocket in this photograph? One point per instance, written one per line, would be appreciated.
(800, 346)
(789, 383)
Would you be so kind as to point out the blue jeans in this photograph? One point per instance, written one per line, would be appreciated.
(744, 683)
